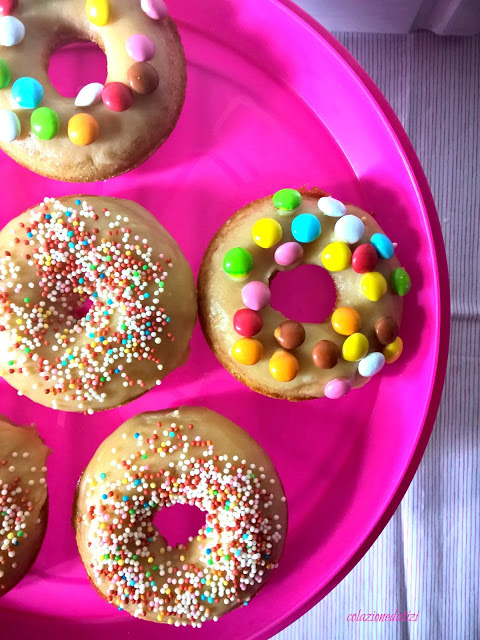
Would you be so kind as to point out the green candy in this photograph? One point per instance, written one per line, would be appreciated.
(45, 123)
(5, 75)
(287, 199)
(237, 262)
(401, 282)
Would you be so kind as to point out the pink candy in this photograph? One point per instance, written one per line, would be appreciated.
(337, 388)
(288, 253)
(256, 295)
(140, 47)
(7, 7)
(155, 9)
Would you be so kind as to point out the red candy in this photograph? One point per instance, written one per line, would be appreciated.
(247, 322)
(7, 7)
(364, 258)
(117, 96)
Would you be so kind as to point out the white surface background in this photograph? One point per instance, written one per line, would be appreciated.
(427, 559)
(455, 17)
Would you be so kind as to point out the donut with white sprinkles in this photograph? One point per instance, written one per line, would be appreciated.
(97, 303)
(185, 456)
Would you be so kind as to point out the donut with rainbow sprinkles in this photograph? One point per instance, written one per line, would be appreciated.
(23, 501)
(183, 456)
(282, 358)
(97, 303)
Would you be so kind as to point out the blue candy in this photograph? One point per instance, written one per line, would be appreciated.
(371, 364)
(27, 93)
(383, 245)
(306, 227)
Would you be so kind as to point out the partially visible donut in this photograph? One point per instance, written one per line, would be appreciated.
(108, 129)
(23, 501)
(282, 358)
(97, 303)
(185, 456)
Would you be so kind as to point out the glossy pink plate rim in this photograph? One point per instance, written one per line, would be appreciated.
(273, 100)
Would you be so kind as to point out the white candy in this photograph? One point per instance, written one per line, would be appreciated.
(90, 94)
(371, 364)
(9, 126)
(349, 229)
(331, 207)
(12, 31)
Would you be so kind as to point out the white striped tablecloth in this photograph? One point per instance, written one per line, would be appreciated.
(427, 559)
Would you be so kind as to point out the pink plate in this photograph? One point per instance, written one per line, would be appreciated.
(273, 101)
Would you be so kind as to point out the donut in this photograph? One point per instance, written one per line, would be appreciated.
(282, 358)
(184, 456)
(23, 501)
(108, 129)
(97, 303)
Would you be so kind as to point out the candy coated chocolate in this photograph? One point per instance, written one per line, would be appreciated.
(143, 78)
(386, 329)
(325, 354)
(290, 334)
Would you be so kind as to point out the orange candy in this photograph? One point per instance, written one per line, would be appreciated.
(283, 366)
(346, 321)
(247, 351)
(83, 129)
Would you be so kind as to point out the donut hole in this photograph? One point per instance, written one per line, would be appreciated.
(304, 294)
(82, 309)
(178, 523)
(75, 65)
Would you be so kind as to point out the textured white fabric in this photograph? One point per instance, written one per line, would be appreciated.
(427, 559)
(448, 17)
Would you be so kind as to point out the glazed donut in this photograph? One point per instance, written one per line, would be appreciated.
(189, 456)
(23, 501)
(283, 358)
(97, 303)
(89, 139)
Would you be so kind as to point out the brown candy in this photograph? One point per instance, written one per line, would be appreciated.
(143, 78)
(386, 329)
(290, 334)
(325, 354)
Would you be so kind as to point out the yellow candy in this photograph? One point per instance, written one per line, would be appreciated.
(247, 351)
(393, 351)
(355, 347)
(98, 12)
(336, 256)
(283, 366)
(374, 286)
(267, 232)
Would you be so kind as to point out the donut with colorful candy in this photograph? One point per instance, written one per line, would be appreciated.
(287, 359)
(188, 456)
(108, 129)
